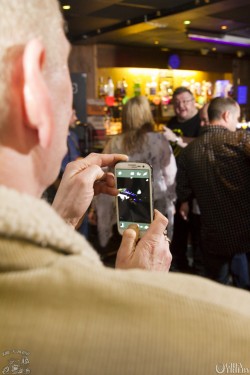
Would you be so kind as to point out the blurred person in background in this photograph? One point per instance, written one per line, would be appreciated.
(182, 129)
(213, 168)
(73, 153)
(204, 120)
(141, 143)
(73, 144)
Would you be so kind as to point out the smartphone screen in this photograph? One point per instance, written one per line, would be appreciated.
(134, 201)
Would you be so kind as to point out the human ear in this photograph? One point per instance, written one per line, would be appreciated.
(37, 104)
(226, 116)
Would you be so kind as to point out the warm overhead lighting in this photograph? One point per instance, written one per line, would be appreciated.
(214, 49)
(66, 7)
(218, 38)
(223, 27)
(204, 51)
(156, 42)
(187, 22)
(240, 54)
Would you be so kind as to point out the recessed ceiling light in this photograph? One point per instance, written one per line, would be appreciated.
(66, 7)
(223, 27)
(156, 42)
(187, 22)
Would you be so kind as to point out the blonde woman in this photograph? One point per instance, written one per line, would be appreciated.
(141, 143)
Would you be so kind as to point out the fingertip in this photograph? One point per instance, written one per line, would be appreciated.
(125, 157)
(129, 241)
(160, 217)
(135, 228)
(129, 235)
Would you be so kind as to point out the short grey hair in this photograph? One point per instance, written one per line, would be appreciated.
(21, 21)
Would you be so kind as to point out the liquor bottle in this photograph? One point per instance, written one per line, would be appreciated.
(124, 88)
(101, 88)
(137, 88)
(118, 91)
(110, 87)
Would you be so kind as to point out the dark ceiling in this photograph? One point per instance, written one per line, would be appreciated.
(158, 23)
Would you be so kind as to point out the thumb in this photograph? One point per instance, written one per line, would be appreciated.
(128, 244)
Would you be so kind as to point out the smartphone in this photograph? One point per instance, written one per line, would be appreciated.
(134, 203)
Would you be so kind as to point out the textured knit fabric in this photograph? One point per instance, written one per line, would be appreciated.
(70, 315)
(216, 168)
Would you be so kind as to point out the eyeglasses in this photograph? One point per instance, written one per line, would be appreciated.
(177, 103)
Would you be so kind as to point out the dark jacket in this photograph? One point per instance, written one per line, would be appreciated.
(215, 167)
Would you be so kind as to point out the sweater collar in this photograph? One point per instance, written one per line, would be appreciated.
(25, 218)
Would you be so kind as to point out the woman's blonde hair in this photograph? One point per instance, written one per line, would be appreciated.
(137, 120)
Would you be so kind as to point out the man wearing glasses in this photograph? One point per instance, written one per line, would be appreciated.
(180, 131)
(186, 122)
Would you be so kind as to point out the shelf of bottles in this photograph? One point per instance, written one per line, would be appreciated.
(117, 85)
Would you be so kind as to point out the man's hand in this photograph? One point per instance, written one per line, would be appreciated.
(169, 134)
(172, 137)
(81, 180)
(184, 210)
(151, 252)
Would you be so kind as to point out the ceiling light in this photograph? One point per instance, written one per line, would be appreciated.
(204, 51)
(218, 38)
(66, 7)
(240, 54)
(223, 27)
(157, 25)
(187, 22)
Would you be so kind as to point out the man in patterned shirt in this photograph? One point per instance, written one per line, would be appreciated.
(215, 169)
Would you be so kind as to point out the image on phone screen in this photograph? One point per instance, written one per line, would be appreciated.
(134, 202)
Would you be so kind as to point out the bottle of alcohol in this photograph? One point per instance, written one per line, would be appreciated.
(118, 91)
(110, 87)
(137, 88)
(124, 88)
(101, 88)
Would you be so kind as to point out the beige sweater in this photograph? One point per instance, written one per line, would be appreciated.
(62, 312)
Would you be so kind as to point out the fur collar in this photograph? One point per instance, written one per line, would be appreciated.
(27, 218)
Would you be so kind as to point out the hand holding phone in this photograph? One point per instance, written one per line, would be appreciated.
(151, 252)
(134, 203)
